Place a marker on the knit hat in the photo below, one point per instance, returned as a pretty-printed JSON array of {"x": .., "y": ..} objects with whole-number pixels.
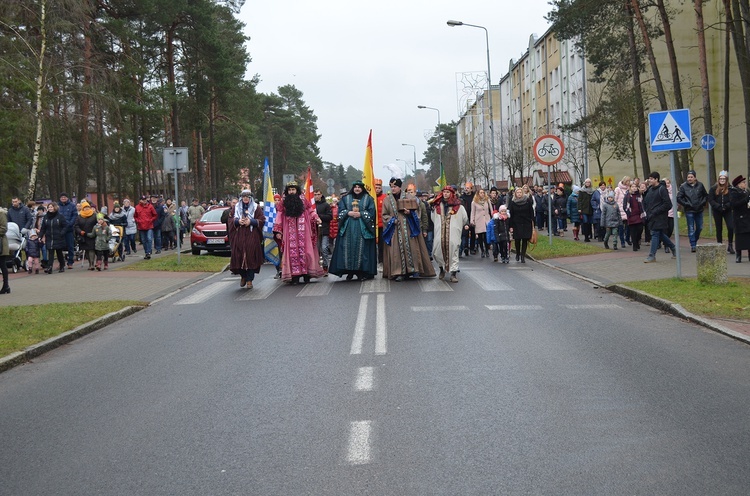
[
  {"x": 116, "y": 205},
  {"x": 33, "y": 233},
  {"x": 99, "y": 216},
  {"x": 85, "y": 204},
  {"x": 692, "y": 172},
  {"x": 724, "y": 174},
  {"x": 611, "y": 194}
]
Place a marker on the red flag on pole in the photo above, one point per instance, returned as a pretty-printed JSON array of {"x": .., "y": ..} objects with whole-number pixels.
[{"x": 309, "y": 190}]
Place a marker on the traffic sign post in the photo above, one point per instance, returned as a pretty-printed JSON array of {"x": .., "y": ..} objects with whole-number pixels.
[
  {"x": 670, "y": 131},
  {"x": 549, "y": 150},
  {"x": 175, "y": 162},
  {"x": 708, "y": 142}
]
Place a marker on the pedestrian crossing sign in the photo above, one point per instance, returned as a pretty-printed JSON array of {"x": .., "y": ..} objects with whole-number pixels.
[{"x": 670, "y": 130}]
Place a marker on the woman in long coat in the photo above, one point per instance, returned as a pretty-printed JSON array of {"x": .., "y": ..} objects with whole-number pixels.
[
  {"x": 53, "y": 231},
  {"x": 481, "y": 214},
  {"x": 521, "y": 222},
  {"x": 84, "y": 225},
  {"x": 740, "y": 199},
  {"x": 246, "y": 239}
]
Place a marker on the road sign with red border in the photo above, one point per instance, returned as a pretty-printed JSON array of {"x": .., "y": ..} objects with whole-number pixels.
[{"x": 548, "y": 149}]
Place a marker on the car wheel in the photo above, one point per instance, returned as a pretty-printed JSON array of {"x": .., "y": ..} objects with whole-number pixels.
[{"x": 196, "y": 251}]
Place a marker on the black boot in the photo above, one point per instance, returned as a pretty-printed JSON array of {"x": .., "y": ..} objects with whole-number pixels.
[
  {"x": 6, "y": 288},
  {"x": 739, "y": 256},
  {"x": 730, "y": 249}
]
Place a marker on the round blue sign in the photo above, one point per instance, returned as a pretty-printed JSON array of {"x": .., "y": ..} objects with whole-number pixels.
[{"x": 708, "y": 142}]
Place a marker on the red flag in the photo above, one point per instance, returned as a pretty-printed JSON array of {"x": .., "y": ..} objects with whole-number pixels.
[{"x": 309, "y": 190}]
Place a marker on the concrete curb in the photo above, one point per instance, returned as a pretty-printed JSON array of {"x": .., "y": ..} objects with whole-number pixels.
[
  {"x": 20, "y": 357},
  {"x": 675, "y": 309},
  {"x": 655, "y": 302},
  {"x": 12, "y": 360}
]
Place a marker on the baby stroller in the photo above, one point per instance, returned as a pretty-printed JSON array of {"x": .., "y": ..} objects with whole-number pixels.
[
  {"x": 16, "y": 243},
  {"x": 115, "y": 249}
]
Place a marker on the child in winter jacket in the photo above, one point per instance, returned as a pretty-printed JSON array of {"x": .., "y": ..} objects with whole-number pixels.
[
  {"x": 33, "y": 247},
  {"x": 610, "y": 219},
  {"x": 501, "y": 225},
  {"x": 102, "y": 234}
]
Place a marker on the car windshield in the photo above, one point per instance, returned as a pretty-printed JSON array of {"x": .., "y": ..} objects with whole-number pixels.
[{"x": 213, "y": 215}]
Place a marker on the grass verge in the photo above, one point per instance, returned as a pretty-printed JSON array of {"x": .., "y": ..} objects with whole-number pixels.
[
  {"x": 562, "y": 247},
  {"x": 730, "y": 301},
  {"x": 188, "y": 263},
  {"x": 24, "y": 326}
]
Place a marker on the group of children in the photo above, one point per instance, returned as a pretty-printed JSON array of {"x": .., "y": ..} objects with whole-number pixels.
[{"x": 101, "y": 232}]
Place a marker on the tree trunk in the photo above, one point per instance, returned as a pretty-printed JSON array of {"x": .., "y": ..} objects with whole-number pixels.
[
  {"x": 661, "y": 95},
  {"x": 39, "y": 89},
  {"x": 643, "y": 143},
  {"x": 725, "y": 132},
  {"x": 703, "y": 65},
  {"x": 175, "y": 120},
  {"x": 739, "y": 36},
  {"x": 83, "y": 166}
]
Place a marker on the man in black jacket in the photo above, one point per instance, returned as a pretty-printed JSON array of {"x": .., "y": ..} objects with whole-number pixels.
[
  {"x": 468, "y": 241},
  {"x": 326, "y": 215},
  {"x": 656, "y": 204},
  {"x": 692, "y": 196}
]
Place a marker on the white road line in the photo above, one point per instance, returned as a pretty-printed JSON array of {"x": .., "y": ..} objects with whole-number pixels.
[
  {"x": 318, "y": 288},
  {"x": 439, "y": 309},
  {"x": 381, "y": 333},
  {"x": 377, "y": 285},
  {"x": 205, "y": 293},
  {"x": 488, "y": 281},
  {"x": 359, "y": 327},
  {"x": 261, "y": 290},
  {"x": 360, "y": 437},
  {"x": 365, "y": 379},
  {"x": 429, "y": 285},
  {"x": 545, "y": 281},
  {"x": 591, "y": 307},
  {"x": 514, "y": 307}
]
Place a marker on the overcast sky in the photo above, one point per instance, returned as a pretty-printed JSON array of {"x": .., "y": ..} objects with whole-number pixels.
[{"x": 367, "y": 65}]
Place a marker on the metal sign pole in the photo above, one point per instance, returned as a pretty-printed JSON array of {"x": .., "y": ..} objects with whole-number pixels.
[
  {"x": 676, "y": 214},
  {"x": 549, "y": 196},
  {"x": 177, "y": 206}
]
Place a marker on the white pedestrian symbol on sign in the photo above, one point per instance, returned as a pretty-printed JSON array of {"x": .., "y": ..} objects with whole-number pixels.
[{"x": 670, "y": 132}]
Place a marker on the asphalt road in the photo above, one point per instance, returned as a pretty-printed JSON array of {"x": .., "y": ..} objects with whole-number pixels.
[{"x": 516, "y": 380}]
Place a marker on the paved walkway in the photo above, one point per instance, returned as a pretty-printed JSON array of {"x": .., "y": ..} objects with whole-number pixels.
[{"x": 79, "y": 284}]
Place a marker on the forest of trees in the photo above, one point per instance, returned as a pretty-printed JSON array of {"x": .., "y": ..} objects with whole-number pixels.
[
  {"x": 618, "y": 37},
  {"x": 92, "y": 90}
]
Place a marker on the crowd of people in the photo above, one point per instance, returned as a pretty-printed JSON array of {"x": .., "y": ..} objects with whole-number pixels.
[
  {"x": 67, "y": 231},
  {"x": 402, "y": 232}
]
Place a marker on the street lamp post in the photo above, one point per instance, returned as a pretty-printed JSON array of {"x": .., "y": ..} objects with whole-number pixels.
[
  {"x": 489, "y": 87},
  {"x": 440, "y": 146},
  {"x": 415, "y": 158}
]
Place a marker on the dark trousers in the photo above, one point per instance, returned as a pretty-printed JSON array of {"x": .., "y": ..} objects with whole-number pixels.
[
  {"x": 636, "y": 230},
  {"x": 726, "y": 216},
  {"x": 4, "y": 268}
]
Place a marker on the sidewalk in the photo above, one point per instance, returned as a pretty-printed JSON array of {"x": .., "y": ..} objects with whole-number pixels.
[
  {"x": 79, "y": 284},
  {"x": 614, "y": 269}
]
